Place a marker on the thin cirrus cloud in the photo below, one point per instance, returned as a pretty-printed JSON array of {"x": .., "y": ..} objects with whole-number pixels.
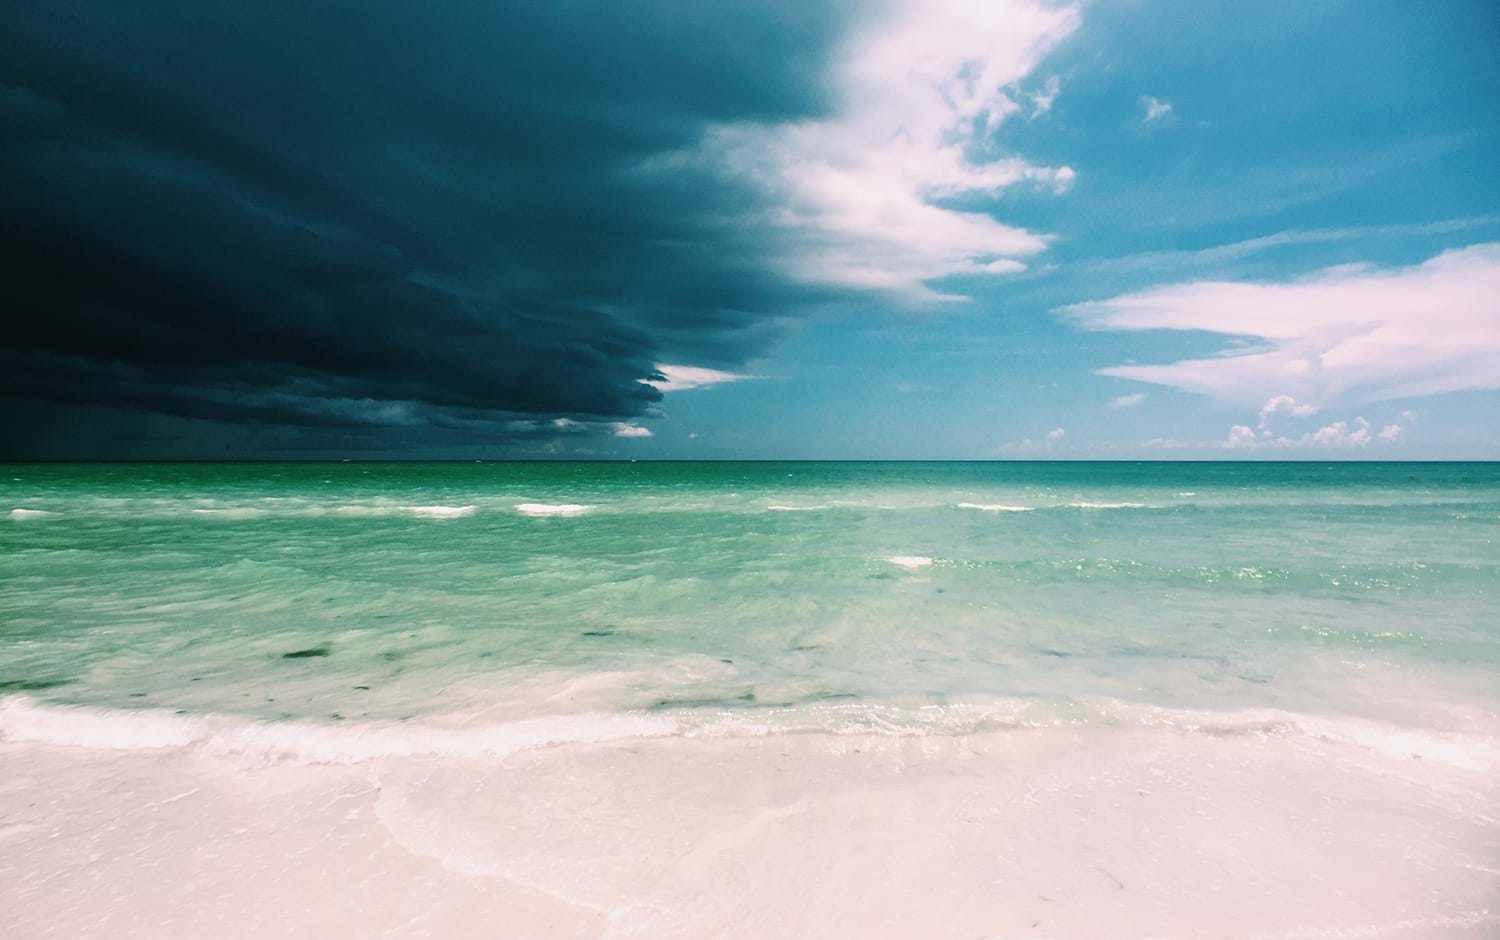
[
  {"x": 1353, "y": 332},
  {"x": 1126, "y": 401},
  {"x": 920, "y": 92}
]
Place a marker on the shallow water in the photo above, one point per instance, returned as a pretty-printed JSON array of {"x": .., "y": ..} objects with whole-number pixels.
[
  {"x": 1279, "y": 620},
  {"x": 307, "y": 590}
]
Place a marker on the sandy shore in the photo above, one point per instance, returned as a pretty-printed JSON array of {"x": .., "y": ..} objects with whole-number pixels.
[{"x": 1090, "y": 832}]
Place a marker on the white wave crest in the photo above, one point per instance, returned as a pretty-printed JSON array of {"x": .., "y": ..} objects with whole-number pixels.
[
  {"x": 780, "y": 508},
  {"x": 305, "y": 742},
  {"x": 910, "y": 562},
  {"x": 441, "y": 512},
  {"x": 995, "y": 507},
  {"x": 552, "y": 509},
  {"x": 238, "y": 512},
  {"x": 22, "y": 720},
  {"x": 1088, "y": 505},
  {"x": 20, "y": 514}
]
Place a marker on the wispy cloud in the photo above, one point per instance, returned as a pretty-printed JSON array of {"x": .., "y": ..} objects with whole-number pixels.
[
  {"x": 622, "y": 429},
  {"x": 1126, "y": 401},
  {"x": 1353, "y": 331},
  {"x": 1217, "y": 255},
  {"x": 1190, "y": 199},
  {"x": 1155, "y": 108},
  {"x": 921, "y": 91},
  {"x": 1029, "y": 446},
  {"x": 1041, "y": 101}
]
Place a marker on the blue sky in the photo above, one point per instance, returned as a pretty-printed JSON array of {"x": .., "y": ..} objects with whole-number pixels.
[
  {"x": 1245, "y": 144},
  {"x": 909, "y": 230}
]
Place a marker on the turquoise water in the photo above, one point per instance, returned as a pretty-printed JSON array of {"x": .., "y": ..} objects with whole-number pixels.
[{"x": 335, "y": 591}]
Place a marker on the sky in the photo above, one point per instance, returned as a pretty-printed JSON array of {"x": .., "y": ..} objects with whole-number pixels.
[{"x": 1141, "y": 229}]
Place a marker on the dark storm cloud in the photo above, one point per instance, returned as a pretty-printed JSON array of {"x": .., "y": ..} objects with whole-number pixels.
[{"x": 315, "y": 219}]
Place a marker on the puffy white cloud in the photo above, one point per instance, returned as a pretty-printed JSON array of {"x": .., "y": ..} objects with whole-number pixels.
[
  {"x": 1352, "y": 331},
  {"x": 1241, "y": 436},
  {"x": 679, "y": 378},
  {"x": 1056, "y": 434},
  {"x": 1156, "y": 109},
  {"x": 622, "y": 429},
  {"x": 921, "y": 92},
  {"x": 1126, "y": 401},
  {"x": 1336, "y": 436},
  {"x": 1287, "y": 404}
]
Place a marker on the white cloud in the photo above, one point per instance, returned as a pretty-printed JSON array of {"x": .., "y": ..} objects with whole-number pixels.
[
  {"x": 1041, "y": 101},
  {"x": 1126, "y": 401},
  {"x": 622, "y": 429},
  {"x": 1156, "y": 109},
  {"x": 1241, "y": 436},
  {"x": 1029, "y": 446},
  {"x": 679, "y": 378},
  {"x": 1340, "y": 435},
  {"x": 1352, "y": 331},
  {"x": 1287, "y": 404},
  {"x": 921, "y": 93}
]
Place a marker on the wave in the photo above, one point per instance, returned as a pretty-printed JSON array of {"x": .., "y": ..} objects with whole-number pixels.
[
  {"x": 23, "y": 720},
  {"x": 552, "y": 509},
  {"x": 910, "y": 561},
  {"x": 22, "y": 514},
  {"x": 1080, "y": 504},
  {"x": 779, "y": 508},
  {"x": 441, "y": 512},
  {"x": 243, "y": 512}
]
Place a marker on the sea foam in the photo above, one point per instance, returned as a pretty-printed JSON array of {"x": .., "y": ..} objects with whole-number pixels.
[
  {"x": 995, "y": 507},
  {"x": 238, "y": 512},
  {"x": 552, "y": 509},
  {"x": 911, "y": 562},
  {"x": 441, "y": 512},
  {"x": 309, "y": 742},
  {"x": 19, "y": 514}
]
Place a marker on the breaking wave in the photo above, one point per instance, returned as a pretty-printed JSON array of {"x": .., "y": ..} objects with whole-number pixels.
[{"x": 25, "y": 720}]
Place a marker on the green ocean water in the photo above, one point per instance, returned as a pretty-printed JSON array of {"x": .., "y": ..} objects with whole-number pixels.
[{"x": 339, "y": 591}]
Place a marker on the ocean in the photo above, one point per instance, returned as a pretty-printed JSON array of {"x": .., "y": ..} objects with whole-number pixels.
[{"x": 751, "y": 699}]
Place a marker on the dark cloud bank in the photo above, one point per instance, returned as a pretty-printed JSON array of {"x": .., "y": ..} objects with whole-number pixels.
[{"x": 233, "y": 229}]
